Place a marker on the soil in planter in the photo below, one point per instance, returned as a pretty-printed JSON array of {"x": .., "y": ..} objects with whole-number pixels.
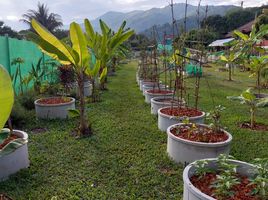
[
  {"x": 257, "y": 126},
  {"x": 198, "y": 133},
  {"x": 181, "y": 112},
  {"x": 56, "y": 100},
  {"x": 157, "y": 91},
  {"x": 242, "y": 191},
  {"x": 9, "y": 139}
]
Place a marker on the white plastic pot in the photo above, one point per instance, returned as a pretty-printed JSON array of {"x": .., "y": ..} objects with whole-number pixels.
[
  {"x": 190, "y": 192},
  {"x": 186, "y": 151},
  {"x": 165, "y": 121},
  {"x": 156, "y": 104},
  {"x": 144, "y": 82},
  {"x": 53, "y": 111},
  {"x": 87, "y": 88},
  {"x": 148, "y": 95},
  {"x": 15, "y": 161}
]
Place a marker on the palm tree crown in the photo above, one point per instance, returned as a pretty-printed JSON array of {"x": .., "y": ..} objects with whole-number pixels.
[{"x": 51, "y": 21}]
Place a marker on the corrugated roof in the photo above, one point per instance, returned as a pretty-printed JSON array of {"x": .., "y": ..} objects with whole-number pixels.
[
  {"x": 246, "y": 28},
  {"x": 220, "y": 43}
]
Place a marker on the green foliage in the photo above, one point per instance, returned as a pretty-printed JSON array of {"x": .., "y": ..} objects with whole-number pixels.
[
  {"x": 247, "y": 97},
  {"x": 215, "y": 116},
  {"x": 27, "y": 99},
  {"x": 6, "y": 96},
  {"x": 261, "y": 179},
  {"x": 37, "y": 74},
  {"x": 18, "y": 62},
  {"x": 6, "y": 30},
  {"x": 201, "y": 168}
]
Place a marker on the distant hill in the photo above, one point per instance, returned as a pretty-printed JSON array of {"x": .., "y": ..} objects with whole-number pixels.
[{"x": 141, "y": 20}]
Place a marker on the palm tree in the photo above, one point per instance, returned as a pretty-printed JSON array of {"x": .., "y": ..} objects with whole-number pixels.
[{"x": 50, "y": 21}]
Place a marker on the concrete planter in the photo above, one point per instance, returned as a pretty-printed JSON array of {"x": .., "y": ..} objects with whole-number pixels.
[
  {"x": 151, "y": 87},
  {"x": 87, "y": 88},
  {"x": 156, "y": 104},
  {"x": 148, "y": 95},
  {"x": 165, "y": 121},
  {"x": 142, "y": 82},
  {"x": 53, "y": 111},
  {"x": 15, "y": 161},
  {"x": 186, "y": 151},
  {"x": 190, "y": 192}
]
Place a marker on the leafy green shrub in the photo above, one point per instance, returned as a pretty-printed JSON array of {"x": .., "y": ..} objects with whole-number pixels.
[
  {"x": 27, "y": 99},
  {"x": 18, "y": 115}
]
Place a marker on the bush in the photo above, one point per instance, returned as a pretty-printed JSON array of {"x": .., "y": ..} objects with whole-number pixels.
[
  {"x": 27, "y": 99},
  {"x": 18, "y": 115}
]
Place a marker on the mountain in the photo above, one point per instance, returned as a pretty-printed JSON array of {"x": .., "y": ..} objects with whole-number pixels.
[{"x": 141, "y": 20}]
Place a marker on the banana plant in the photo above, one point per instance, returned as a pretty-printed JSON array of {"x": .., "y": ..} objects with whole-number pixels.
[
  {"x": 17, "y": 62},
  {"x": 7, "y": 144},
  {"x": 37, "y": 74},
  {"x": 105, "y": 45},
  {"x": 229, "y": 60},
  {"x": 247, "y": 97},
  {"x": 247, "y": 43},
  {"x": 257, "y": 65},
  {"x": 76, "y": 55}
]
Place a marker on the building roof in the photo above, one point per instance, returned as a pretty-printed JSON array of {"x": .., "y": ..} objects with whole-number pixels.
[
  {"x": 246, "y": 28},
  {"x": 220, "y": 43}
]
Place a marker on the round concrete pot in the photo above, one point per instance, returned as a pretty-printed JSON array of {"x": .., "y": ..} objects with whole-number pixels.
[
  {"x": 53, "y": 111},
  {"x": 190, "y": 192},
  {"x": 165, "y": 121},
  {"x": 156, "y": 104},
  {"x": 151, "y": 87},
  {"x": 186, "y": 151},
  {"x": 148, "y": 95},
  {"x": 142, "y": 82},
  {"x": 15, "y": 161},
  {"x": 87, "y": 88}
]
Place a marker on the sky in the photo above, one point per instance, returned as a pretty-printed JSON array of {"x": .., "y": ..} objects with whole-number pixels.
[{"x": 77, "y": 10}]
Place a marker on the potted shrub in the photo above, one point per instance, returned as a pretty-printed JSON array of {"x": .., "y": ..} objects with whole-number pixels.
[
  {"x": 188, "y": 142},
  {"x": 151, "y": 86},
  {"x": 157, "y": 92},
  {"x": 171, "y": 115},
  {"x": 13, "y": 143},
  {"x": 223, "y": 178},
  {"x": 54, "y": 107},
  {"x": 160, "y": 102}
]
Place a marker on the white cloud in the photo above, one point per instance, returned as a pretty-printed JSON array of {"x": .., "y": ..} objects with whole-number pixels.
[{"x": 12, "y": 18}]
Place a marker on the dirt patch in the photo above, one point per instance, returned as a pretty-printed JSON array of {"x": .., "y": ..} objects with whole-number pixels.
[{"x": 257, "y": 126}]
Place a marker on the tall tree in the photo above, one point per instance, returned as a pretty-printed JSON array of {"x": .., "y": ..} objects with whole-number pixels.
[
  {"x": 6, "y": 30},
  {"x": 50, "y": 21}
]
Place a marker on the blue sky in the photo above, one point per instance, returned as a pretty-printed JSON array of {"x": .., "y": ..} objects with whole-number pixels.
[{"x": 77, "y": 10}]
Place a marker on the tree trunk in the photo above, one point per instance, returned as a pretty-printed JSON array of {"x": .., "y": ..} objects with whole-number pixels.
[
  {"x": 230, "y": 71},
  {"x": 84, "y": 128},
  {"x": 252, "y": 117}
]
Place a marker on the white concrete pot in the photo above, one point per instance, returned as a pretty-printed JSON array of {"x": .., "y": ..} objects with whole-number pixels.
[
  {"x": 151, "y": 87},
  {"x": 142, "y": 82},
  {"x": 190, "y": 192},
  {"x": 15, "y": 161},
  {"x": 186, "y": 151},
  {"x": 165, "y": 121},
  {"x": 53, "y": 111},
  {"x": 149, "y": 96},
  {"x": 156, "y": 104},
  {"x": 87, "y": 88}
]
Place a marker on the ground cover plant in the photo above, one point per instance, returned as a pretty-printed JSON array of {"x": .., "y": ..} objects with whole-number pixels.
[{"x": 126, "y": 157}]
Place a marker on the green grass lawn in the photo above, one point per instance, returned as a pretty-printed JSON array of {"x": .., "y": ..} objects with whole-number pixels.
[{"x": 126, "y": 158}]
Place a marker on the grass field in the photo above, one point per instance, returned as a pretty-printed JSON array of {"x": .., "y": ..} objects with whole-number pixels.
[{"x": 126, "y": 158}]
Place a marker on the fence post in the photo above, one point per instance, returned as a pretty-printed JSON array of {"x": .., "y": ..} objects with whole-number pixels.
[{"x": 8, "y": 54}]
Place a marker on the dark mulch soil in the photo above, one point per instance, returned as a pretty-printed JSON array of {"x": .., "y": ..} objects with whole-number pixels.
[
  {"x": 39, "y": 130},
  {"x": 56, "y": 100},
  {"x": 257, "y": 126},
  {"x": 198, "y": 133},
  {"x": 242, "y": 191},
  {"x": 180, "y": 112},
  {"x": 157, "y": 91}
]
